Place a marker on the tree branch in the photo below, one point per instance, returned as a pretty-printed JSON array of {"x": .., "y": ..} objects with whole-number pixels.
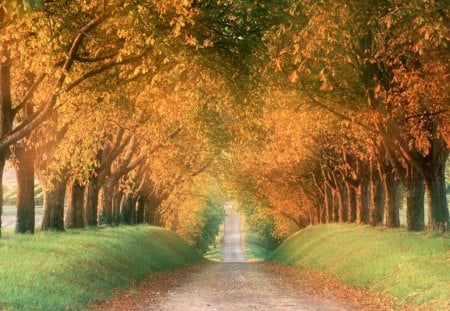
[{"x": 40, "y": 116}]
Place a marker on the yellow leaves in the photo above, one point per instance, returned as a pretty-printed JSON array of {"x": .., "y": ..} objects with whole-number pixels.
[
  {"x": 141, "y": 9},
  {"x": 419, "y": 20},
  {"x": 278, "y": 64},
  {"x": 326, "y": 86},
  {"x": 281, "y": 30},
  {"x": 190, "y": 40},
  {"x": 377, "y": 90},
  {"x": 207, "y": 43},
  {"x": 293, "y": 77},
  {"x": 348, "y": 59},
  {"x": 178, "y": 22},
  {"x": 150, "y": 41}
]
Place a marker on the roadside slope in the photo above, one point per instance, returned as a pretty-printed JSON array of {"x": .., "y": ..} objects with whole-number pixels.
[
  {"x": 60, "y": 271},
  {"x": 412, "y": 267}
]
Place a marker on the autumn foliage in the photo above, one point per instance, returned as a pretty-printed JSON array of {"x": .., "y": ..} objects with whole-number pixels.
[{"x": 304, "y": 111}]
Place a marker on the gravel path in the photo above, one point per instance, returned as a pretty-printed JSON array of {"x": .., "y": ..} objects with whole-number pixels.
[
  {"x": 232, "y": 241},
  {"x": 237, "y": 285}
]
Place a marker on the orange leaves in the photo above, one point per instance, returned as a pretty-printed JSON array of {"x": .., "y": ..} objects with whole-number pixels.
[
  {"x": 293, "y": 77},
  {"x": 190, "y": 40},
  {"x": 326, "y": 86},
  {"x": 278, "y": 66}
]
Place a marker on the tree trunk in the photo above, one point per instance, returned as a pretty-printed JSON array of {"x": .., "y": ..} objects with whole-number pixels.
[
  {"x": 316, "y": 214},
  {"x": 75, "y": 211},
  {"x": 351, "y": 203},
  {"x": 377, "y": 198},
  {"x": 127, "y": 212},
  {"x": 151, "y": 216},
  {"x": 53, "y": 218},
  {"x": 415, "y": 195},
  {"x": 117, "y": 203},
  {"x": 342, "y": 197},
  {"x": 91, "y": 201},
  {"x": 134, "y": 209},
  {"x": 140, "y": 209},
  {"x": 335, "y": 207},
  {"x": 2, "y": 168},
  {"x": 436, "y": 189},
  {"x": 6, "y": 113},
  {"x": 106, "y": 199},
  {"x": 323, "y": 216},
  {"x": 363, "y": 202},
  {"x": 328, "y": 204},
  {"x": 25, "y": 190},
  {"x": 392, "y": 201}
]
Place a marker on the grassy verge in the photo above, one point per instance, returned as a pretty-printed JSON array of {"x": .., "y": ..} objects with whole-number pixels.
[
  {"x": 215, "y": 252},
  {"x": 412, "y": 267},
  {"x": 67, "y": 271},
  {"x": 254, "y": 249}
]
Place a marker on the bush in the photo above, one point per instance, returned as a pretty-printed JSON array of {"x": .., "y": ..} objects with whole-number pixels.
[{"x": 210, "y": 218}]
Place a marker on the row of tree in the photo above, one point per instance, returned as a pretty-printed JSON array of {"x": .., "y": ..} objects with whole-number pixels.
[
  {"x": 356, "y": 118},
  {"x": 315, "y": 111},
  {"x": 113, "y": 105}
]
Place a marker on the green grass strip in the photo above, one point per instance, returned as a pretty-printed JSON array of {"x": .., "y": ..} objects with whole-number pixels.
[
  {"x": 413, "y": 267},
  {"x": 67, "y": 271},
  {"x": 254, "y": 249}
]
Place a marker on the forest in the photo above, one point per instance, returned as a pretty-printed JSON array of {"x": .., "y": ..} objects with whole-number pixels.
[{"x": 159, "y": 112}]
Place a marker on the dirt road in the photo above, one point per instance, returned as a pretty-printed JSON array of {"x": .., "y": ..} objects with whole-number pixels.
[
  {"x": 232, "y": 285},
  {"x": 238, "y": 285},
  {"x": 232, "y": 241}
]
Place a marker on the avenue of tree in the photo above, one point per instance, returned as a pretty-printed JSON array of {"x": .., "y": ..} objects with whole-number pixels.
[{"x": 306, "y": 112}]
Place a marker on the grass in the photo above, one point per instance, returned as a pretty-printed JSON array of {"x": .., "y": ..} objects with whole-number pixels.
[
  {"x": 67, "y": 271},
  {"x": 413, "y": 267},
  {"x": 254, "y": 249},
  {"x": 215, "y": 252}
]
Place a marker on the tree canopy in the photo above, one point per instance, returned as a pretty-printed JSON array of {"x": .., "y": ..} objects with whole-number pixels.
[{"x": 156, "y": 111}]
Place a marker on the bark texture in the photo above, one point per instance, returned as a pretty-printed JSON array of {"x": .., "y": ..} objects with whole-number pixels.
[
  {"x": 25, "y": 190},
  {"x": 53, "y": 218},
  {"x": 75, "y": 210}
]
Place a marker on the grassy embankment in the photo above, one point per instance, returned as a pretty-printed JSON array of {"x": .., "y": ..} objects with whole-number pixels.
[
  {"x": 67, "y": 271},
  {"x": 215, "y": 252},
  {"x": 254, "y": 248},
  {"x": 412, "y": 267}
]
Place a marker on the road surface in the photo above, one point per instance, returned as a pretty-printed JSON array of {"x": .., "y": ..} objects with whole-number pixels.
[
  {"x": 232, "y": 241},
  {"x": 230, "y": 285}
]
